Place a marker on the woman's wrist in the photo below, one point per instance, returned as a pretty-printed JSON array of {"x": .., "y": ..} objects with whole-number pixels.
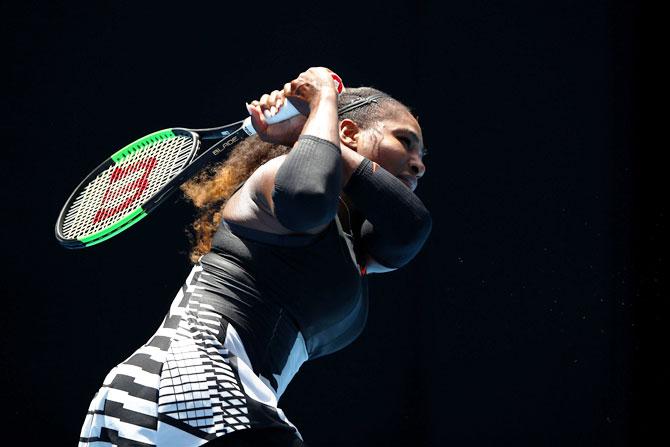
[
  {"x": 325, "y": 97},
  {"x": 322, "y": 120}
]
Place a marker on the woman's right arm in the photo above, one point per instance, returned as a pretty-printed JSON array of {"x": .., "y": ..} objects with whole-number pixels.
[{"x": 302, "y": 189}]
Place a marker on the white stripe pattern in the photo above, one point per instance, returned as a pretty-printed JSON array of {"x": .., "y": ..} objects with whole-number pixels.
[{"x": 197, "y": 385}]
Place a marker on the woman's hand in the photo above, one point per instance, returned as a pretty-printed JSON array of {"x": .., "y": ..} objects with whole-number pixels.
[
  {"x": 283, "y": 132},
  {"x": 311, "y": 90}
]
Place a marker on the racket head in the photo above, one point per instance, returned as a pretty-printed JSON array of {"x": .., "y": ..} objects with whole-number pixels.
[{"x": 119, "y": 192}]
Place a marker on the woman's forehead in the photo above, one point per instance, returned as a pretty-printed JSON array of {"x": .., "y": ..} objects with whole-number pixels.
[{"x": 403, "y": 120}]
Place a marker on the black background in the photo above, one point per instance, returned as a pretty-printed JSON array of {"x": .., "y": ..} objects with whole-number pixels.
[{"x": 528, "y": 319}]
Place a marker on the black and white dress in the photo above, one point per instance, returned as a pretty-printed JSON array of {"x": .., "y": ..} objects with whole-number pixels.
[{"x": 250, "y": 313}]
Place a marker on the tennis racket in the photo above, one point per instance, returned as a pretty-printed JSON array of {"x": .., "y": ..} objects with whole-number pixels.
[{"x": 136, "y": 179}]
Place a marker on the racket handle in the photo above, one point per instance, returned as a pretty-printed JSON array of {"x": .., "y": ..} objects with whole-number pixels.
[{"x": 288, "y": 110}]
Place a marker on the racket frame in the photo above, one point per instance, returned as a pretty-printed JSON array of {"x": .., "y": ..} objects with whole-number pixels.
[{"x": 228, "y": 136}]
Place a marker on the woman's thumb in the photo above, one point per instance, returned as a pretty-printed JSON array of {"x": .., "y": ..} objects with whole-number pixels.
[{"x": 257, "y": 118}]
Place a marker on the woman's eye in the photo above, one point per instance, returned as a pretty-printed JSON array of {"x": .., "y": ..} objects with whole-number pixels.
[{"x": 405, "y": 142}]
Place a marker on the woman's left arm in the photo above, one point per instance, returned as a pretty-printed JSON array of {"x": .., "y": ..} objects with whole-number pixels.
[{"x": 397, "y": 222}]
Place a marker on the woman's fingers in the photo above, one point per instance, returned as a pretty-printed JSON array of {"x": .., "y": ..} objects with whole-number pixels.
[
  {"x": 271, "y": 103},
  {"x": 264, "y": 101},
  {"x": 266, "y": 105},
  {"x": 257, "y": 119},
  {"x": 274, "y": 102}
]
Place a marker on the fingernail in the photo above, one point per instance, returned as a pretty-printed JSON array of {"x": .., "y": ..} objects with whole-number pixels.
[
  {"x": 248, "y": 107},
  {"x": 267, "y": 113},
  {"x": 273, "y": 110}
]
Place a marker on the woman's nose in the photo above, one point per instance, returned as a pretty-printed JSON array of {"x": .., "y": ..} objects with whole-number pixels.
[{"x": 417, "y": 167}]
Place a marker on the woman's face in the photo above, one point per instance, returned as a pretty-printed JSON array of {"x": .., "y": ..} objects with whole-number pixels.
[{"x": 396, "y": 144}]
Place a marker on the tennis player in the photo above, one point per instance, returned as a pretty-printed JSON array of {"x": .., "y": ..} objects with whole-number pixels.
[{"x": 289, "y": 227}]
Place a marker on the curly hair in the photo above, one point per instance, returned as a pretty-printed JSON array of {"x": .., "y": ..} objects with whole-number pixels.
[{"x": 213, "y": 186}]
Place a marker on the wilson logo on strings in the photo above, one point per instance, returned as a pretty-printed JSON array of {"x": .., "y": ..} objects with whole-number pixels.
[{"x": 125, "y": 187}]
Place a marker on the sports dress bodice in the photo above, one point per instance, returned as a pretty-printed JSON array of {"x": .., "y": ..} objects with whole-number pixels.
[{"x": 290, "y": 297}]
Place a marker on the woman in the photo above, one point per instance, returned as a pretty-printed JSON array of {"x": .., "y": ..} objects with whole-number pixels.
[{"x": 289, "y": 228}]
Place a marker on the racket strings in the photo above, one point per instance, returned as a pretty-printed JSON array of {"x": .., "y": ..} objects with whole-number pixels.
[{"x": 123, "y": 187}]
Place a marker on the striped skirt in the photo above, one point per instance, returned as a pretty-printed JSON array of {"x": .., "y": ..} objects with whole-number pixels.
[{"x": 190, "y": 383}]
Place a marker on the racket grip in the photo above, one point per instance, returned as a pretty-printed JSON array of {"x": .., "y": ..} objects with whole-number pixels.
[{"x": 288, "y": 110}]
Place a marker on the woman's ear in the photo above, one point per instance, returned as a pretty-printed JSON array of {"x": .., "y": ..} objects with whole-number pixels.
[{"x": 349, "y": 134}]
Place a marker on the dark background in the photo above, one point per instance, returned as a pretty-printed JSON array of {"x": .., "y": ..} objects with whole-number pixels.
[{"x": 528, "y": 319}]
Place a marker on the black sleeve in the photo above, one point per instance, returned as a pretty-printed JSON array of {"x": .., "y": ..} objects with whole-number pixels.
[
  {"x": 308, "y": 184},
  {"x": 397, "y": 222}
]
